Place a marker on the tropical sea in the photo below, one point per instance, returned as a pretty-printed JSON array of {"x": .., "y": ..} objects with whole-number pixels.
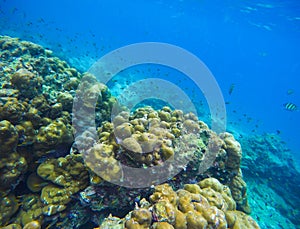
[{"x": 234, "y": 64}]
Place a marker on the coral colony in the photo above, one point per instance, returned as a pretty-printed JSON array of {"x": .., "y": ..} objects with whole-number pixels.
[{"x": 46, "y": 182}]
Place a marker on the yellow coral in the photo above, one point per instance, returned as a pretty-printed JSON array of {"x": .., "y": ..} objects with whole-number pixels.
[
  {"x": 12, "y": 166},
  {"x": 35, "y": 183},
  {"x": 9, "y": 206},
  {"x": 32, "y": 225},
  {"x": 8, "y": 137},
  {"x": 239, "y": 220},
  {"x": 12, "y": 226},
  {"x": 207, "y": 204},
  {"x": 31, "y": 210},
  {"x": 238, "y": 189},
  {"x": 53, "y": 135},
  {"x": 68, "y": 172},
  {"x": 140, "y": 219},
  {"x": 162, "y": 225},
  {"x": 28, "y": 83},
  {"x": 55, "y": 195},
  {"x": 13, "y": 110}
]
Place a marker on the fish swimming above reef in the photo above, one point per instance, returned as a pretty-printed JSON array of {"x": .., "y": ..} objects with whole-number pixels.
[
  {"x": 290, "y": 106},
  {"x": 231, "y": 88},
  {"x": 290, "y": 92}
]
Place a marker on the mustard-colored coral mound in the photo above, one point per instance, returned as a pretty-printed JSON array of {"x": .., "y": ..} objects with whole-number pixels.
[
  {"x": 144, "y": 139},
  {"x": 12, "y": 166},
  {"x": 148, "y": 138},
  {"x": 54, "y": 135},
  {"x": 67, "y": 175},
  {"x": 208, "y": 204}
]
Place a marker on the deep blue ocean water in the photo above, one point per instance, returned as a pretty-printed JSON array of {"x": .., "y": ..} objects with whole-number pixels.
[
  {"x": 251, "y": 44},
  {"x": 252, "y": 47}
]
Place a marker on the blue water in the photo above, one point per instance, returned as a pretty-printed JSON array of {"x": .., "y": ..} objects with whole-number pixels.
[{"x": 252, "y": 44}]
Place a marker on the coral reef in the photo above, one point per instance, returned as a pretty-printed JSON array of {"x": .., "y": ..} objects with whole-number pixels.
[
  {"x": 208, "y": 204},
  {"x": 268, "y": 162},
  {"x": 68, "y": 174},
  {"x": 147, "y": 138},
  {"x": 59, "y": 163},
  {"x": 37, "y": 92}
]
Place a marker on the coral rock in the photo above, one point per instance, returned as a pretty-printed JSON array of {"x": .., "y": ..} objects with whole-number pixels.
[
  {"x": 9, "y": 206},
  {"x": 28, "y": 83},
  {"x": 54, "y": 135},
  {"x": 8, "y": 137}
]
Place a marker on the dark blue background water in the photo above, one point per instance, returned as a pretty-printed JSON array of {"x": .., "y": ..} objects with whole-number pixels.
[{"x": 251, "y": 44}]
